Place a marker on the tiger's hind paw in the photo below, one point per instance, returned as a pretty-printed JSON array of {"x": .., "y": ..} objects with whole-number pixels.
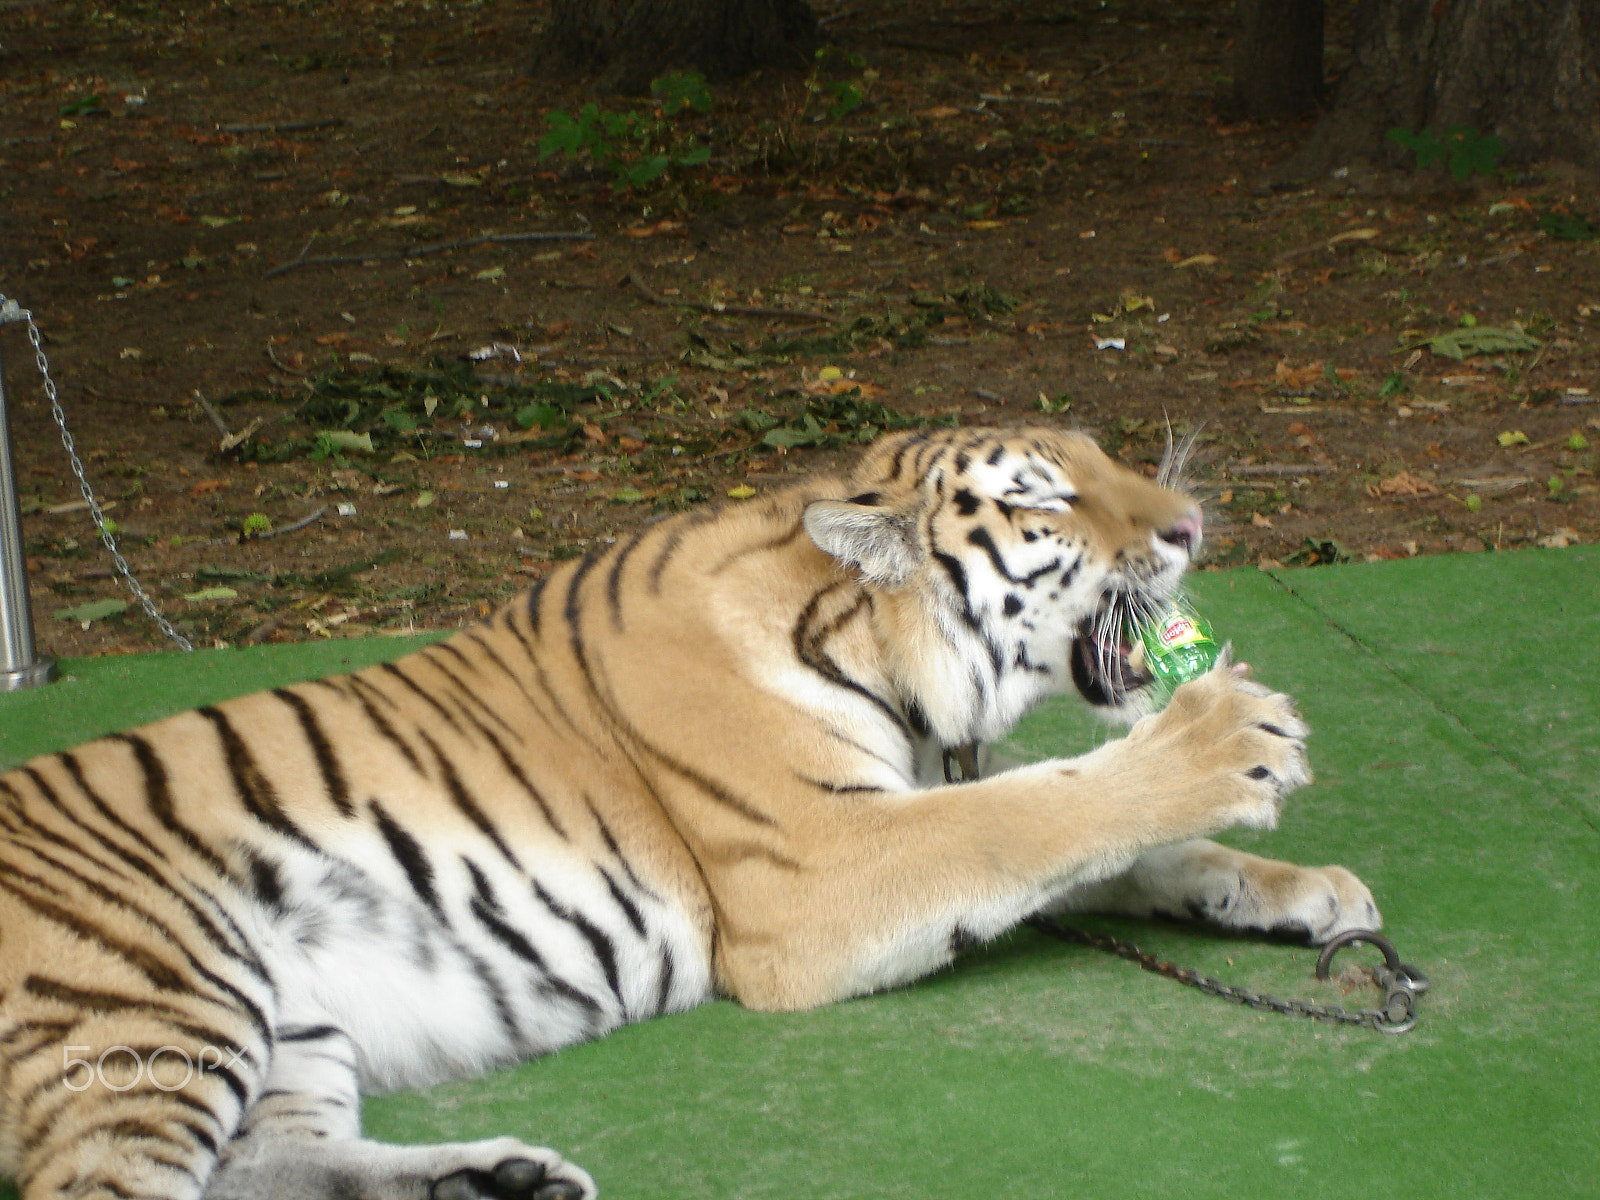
[
  {"x": 314, "y": 1169},
  {"x": 513, "y": 1179}
]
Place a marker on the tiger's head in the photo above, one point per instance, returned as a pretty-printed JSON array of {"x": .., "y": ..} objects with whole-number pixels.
[{"x": 1004, "y": 565}]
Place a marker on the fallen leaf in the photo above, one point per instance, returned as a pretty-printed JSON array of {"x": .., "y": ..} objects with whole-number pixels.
[
  {"x": 743, "y": 492},
  {"x": 1404, "y": 485},
  {"x": 490, "y": 274},
  {"x": 207, "y": 486},
  {"x": 1512, "y": 437},
  {"x": 941, "y": 112},
  {"x": 1260, "y": 522},
  {"x": 1458, "y": 344},
  {"x": 1197, "y": 260},
  {"x": 461, "y": 179},
  {"x": 211, "y": 593},
  {"x": 347, "y": 441},
  {"x": 93, "y": 610},
  {"x": 1561, "y": 539},
  {"x": 1298, "y": 377},
  {"x": 660, "y": 228},
  {"x": 72, "y": 506}
]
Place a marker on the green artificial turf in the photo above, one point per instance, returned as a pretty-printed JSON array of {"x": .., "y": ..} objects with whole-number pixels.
[{"x": 1454, "y": 708}]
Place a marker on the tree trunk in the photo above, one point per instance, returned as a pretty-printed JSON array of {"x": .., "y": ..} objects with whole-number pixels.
[
  {"x": 1525, "y": 71},
  {"x": 1277, "y": 57},
  {"x": 628, "y": 43}
]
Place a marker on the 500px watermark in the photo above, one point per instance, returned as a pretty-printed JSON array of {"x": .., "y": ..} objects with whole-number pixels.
[{"x": 119, "y": 1068}]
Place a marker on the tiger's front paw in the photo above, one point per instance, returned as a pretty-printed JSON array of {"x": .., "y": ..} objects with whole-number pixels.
[
  {"x": 1243, "y": 744},
  {"x": 524, "y": 1173},
  {"x": 1241, "y": 891}
]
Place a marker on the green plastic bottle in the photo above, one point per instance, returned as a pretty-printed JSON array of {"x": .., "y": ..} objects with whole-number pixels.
[{"x": 1178, "y": 646}]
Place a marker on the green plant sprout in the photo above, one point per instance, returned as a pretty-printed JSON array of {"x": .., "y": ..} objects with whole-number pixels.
[
  {"x": 637, "y": 148},
  {"x": 1462, "y": 149}
]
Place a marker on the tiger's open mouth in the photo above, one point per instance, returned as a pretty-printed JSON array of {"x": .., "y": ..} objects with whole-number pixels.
[{"x": 1105, "y": 664}]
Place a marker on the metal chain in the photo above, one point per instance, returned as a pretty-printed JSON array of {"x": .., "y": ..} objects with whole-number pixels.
[
  {"x": 11, "y": 311},
  {"x": 1401, "y": 983}
]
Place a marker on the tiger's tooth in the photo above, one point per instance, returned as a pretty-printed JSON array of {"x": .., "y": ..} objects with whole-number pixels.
[{"x": 1136, "y": 657}]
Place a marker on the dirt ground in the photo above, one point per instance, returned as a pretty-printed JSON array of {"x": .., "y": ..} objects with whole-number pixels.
[{"x": 982, "y": 212}]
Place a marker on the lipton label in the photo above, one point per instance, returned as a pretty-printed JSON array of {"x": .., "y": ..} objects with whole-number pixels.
[{"x": 1180, "y": 631}]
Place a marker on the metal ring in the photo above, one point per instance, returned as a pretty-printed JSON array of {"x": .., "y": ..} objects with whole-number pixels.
[{"x": 1355, "y": 937}]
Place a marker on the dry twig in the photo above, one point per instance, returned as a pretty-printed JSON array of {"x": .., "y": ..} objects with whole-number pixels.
[
  {"x": 724, "y": 310},
  {"x": 302, "y": 260},
  {"x": 300, "y": 524}
]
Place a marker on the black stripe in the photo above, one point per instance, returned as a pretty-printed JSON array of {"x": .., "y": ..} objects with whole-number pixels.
[
  {"x": 266, "y": 880},
  {"x": 958, "y": 577},
  {"x": 104, "y": 1003},
  {"x": 394, "y": 672},
  {"x": 158, "y": 799},
  {"x": 980, "y": 537},
  {"x": 158, "y": 973},
  {"x": 256, "y": 792},
  {"x": 604, "y": 950},
  {"x": 777, "y": 542},
  {"x": 683, "y": 526},
  {"x": 69, "y": 760},
  {"x": 808, "y": 648},
  {"x": 468, "y": 694},
  {"x": 619, "y": 560},
  {"x": 543, "y": 680},
  {"x": 839, "y": 789},
  {"x": 493, "y": 655},
  {"x": 713, "y": 789},
  {"x": 664, "y": 983},
  {"x": 332, "y": 774},
  {"x": 741, "y": 851},
  {"x": 463, "y": 800},
  {"x": 897, "y": 462},
  {"x": 516, "y": 772},
  {"x": 486, "y": 907},
  {"x": 616, "y": 852},
  {"x": 20, "y": 1029},
  {"x": 161, "y": 879},
  {"x": 914, "y": 719},
  {"x": 625, "y": 902},
  {"x": 361, "y": 687},
  {"x": 104, "y": 894},
  {"x": 311, "y": 1033},
  {"x": 409, "y": 854},
  {"x": 572, "y": 611},
  {"x": 535, "y": 595}
]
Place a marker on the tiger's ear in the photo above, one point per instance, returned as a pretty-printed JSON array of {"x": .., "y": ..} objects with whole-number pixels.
[{"x": 880, "y": 541}]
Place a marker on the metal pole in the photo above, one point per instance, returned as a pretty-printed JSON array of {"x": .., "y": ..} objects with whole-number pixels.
[{"x": 20, "y": 665}]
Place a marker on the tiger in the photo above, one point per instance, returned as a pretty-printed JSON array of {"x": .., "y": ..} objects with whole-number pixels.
[{"x": 727, "y": 755}]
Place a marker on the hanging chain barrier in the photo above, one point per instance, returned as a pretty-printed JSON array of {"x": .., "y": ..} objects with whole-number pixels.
[
  {"x": 10, "y": 311},
  {"x": 1400, "y": 983}
]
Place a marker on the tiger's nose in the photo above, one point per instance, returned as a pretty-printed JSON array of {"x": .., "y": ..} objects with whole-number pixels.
[{"x": 1184, "y": 533}]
